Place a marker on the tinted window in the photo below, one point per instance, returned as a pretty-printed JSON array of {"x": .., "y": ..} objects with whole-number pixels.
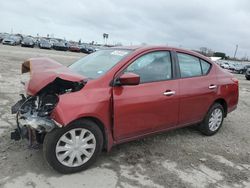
[
  {"x": 154, "y": 66},
  {"x": 189, "y": 65},
  {"x": 205, "y": 66}
]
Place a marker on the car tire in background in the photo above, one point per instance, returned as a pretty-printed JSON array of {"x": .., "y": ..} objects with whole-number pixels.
[
  {"x": 73, "y": 148},
  {"x": 213, "y": 120}
]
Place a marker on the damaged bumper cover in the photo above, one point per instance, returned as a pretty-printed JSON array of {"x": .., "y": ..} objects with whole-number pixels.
[
  {"x": 48, "y": 80},
  {"x": 31, "y": 121}
]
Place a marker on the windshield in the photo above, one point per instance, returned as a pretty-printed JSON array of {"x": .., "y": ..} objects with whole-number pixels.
[
  {"x": 28, "y": 39},
  {"x": 98, "y": 63}
]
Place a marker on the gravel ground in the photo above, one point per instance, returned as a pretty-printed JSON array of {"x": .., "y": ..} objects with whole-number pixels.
[{"x": 179, "y": 158}]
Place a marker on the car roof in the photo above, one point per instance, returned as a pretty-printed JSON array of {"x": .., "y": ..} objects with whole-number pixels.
[{"x": 149, "y": 47}]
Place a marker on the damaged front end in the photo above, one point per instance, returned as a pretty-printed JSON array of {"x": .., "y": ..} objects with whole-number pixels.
[
  {"x": 33, "y": 112},
  {"x": 33, "y": 118}
]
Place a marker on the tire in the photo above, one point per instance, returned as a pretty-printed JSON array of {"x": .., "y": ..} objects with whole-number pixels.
[
  {"x": 248, "y": 78},
  {"x": 207, "y": 129},
  {"x": 53, "y": 142}
]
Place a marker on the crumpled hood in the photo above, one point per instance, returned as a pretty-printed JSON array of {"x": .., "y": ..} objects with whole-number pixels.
[{"x": 44, "y": 71}]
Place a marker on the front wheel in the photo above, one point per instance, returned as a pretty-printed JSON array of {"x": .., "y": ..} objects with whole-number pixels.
[
  {"x": 213, "y": 120},
  {"x": 73, "y": 148}
]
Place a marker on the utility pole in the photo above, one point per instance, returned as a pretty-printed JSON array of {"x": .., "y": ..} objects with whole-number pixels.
[{"x": 236, "y": 49}]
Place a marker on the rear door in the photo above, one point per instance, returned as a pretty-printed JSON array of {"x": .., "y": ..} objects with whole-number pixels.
[
  {"x": 197, "y": 88},
  {"x": 153, "y": 104}
]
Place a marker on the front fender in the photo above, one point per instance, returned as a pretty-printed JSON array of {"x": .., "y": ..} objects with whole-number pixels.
[{"x": 84, "y": 103}]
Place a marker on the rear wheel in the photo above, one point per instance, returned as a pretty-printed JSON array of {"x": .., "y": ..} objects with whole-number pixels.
[
  {"x": 73, "y": 148},
  {"x": 213, "y": 120}
]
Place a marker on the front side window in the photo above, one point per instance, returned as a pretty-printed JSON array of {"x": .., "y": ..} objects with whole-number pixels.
[
  {"x": 151, "y": 67},
  {"x": 189, "y": 65}
]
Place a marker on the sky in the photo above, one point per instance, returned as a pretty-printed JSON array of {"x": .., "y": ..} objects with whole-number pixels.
[{"x": 216, "y": 24}]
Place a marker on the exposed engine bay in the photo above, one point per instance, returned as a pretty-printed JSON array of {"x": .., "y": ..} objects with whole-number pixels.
[{"x": 33, "y": 112}]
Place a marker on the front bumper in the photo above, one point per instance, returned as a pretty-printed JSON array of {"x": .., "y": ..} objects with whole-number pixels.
[{"x": 30, "y": 124}]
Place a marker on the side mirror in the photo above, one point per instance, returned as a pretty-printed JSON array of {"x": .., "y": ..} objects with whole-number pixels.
[{"x": 129, "y": 79}]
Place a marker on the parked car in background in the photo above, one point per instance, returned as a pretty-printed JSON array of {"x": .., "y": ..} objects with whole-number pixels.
[
  {"x": 18, "y": 38},
  {"x": 28, "y": 42},
  {"x": 239, "y": 68},
  {"x": 232, "y": 66},
  {"x": 45, "y": 44},
  {"x": 225, "y": 65},
  {"x": 10, "y": 40},
  {"x": 2, "y": 36},
  {"x": 86, "y": 49},
  {"x": 247, "y": 74},
  {"x": 245, "y": 68},
  {"x": 118, "y": 95},
  {"x": 53, "y": 41},
  {"x": 60, "y": 46},
  {"x": 74, "y": 48}
]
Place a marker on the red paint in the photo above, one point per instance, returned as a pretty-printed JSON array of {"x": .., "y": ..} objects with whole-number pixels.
[
  {"x": 44, "y": 71},
  {"x": 129, "y": 79},
  {"x": 129, "y": 112}
]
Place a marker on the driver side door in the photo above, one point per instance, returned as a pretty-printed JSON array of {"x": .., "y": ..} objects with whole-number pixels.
[{"x": 152, "y": 105}]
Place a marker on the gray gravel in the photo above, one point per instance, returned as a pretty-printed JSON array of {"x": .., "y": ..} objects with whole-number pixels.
[{"x": 179, "y": 158}]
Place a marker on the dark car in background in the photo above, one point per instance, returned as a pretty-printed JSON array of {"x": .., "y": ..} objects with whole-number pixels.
[
  {"x": 28, "y": 42},
  {"x": 45, "y": 44},
  {"x": 86, "y": 49},
  {"x": 247, "y": 75},
  {"x": 245, "y": 68},
  {"x": 60, "y": 46}
]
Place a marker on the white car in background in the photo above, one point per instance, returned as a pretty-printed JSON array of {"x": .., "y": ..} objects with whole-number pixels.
[{"x": 225, "y": 66}]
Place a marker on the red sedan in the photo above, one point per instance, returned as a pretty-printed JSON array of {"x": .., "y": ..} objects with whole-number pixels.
[
  {"x": 117, "y": 95},
  {"x": 74, "y": 48}
]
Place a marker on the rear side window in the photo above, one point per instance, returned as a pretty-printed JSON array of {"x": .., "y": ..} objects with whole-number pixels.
[
  {"x": 205, "y": 67},
  {"x": 190, "y": 66}
]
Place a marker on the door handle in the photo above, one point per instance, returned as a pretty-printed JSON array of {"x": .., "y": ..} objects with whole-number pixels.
[
  {"x": 212, "y": 86},
  {"x": 169, "y": 93}
]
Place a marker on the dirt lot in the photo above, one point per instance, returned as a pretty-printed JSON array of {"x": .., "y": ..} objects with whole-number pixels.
[{"x": 179, "y": 158}]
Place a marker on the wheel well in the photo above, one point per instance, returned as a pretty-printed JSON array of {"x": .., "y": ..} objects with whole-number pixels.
[
  {"x": 223, "y": 104},
  {"x": 102, "y": 128}
]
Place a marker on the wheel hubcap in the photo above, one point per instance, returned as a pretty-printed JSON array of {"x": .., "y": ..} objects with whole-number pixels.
[
  {"x": 215, "y": 119},
  {"x": 75, "y": 147}
]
